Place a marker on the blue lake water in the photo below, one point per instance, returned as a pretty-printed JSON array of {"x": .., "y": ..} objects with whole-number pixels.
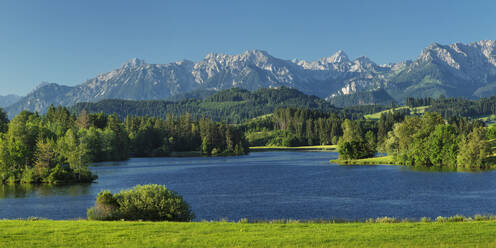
[{"x": 270, "y": 185}]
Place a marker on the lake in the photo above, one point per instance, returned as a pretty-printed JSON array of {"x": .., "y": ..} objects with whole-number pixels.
[{"x": 270, "y": 185}]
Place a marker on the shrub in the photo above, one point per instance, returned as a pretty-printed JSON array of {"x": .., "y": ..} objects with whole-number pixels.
[
  {"x": 59, "y": 174},
  {"x": 479, "y": 217},
  {"x": 425, "y": 219},
  {"x": 456, "y": 218},
  {"x": 106, "y": 207},
  {"x": 441, "y": 219},
  {"x": 28, "y": 176},
  {"x": 370, "y": 220},
  {"x": 355, "y": 150},
  {"x": 143, "y": 202},
  {"x": 12, "y": 179},
  {"x": 386, "y": 220},
  {"x": 491, "y": 132}
]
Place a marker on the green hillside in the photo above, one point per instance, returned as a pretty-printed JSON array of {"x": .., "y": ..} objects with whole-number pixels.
[
  {"x": 232, "y": 106},
  {"x": 413, "y": 110}
]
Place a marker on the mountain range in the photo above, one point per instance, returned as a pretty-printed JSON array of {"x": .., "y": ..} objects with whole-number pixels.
[
  {"x": 8, "y": 100},
  {"x": 462, "y": 70}
]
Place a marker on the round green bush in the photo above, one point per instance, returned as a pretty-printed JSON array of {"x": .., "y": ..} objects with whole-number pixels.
[{"x": 143, "y": 202}]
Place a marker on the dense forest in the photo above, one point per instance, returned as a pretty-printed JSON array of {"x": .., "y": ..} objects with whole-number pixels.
[
  {"x": 431, "y": 141},
  {"x": 453, "y": 107},
  {"x": 236, "y": 105},
  {"x": 427, "y": 141},
  {"x": 56, "y": 147},
  {"x": 293, "y": 127},
  {"x": 231, "y": 106},
  {"x": 299, "y": 127}
]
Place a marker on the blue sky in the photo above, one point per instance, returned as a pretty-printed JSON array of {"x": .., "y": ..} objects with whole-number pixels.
[{"x": 67, "y": 42}]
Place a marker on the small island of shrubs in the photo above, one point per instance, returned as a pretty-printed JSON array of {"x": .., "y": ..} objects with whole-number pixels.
[{"x": 143, "y": 202}]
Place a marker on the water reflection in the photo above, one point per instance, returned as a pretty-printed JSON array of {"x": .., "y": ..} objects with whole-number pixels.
[
  {"x": 270, "y": 185},
  {"x": 42, "y": 190},
  {"x": 441, "y": 169}
]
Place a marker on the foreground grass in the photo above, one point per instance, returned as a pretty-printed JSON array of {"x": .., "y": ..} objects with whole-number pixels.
[
  {"x": 365, "y": 161},
  {"x": 294, "y": 148},
  {"x": 45, "y": 233}
]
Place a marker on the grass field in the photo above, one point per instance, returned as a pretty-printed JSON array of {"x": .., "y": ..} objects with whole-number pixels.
[
  {"x": 295, "y": 148},
  {"x": 365, "y": 161},
  {"x": 44, "y": 233},
  {"x": 376, "y": 116}
]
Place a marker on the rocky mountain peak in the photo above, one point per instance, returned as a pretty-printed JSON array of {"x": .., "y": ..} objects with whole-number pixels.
[
  {"x": 488, "y": 48},
  {"x": 453, "y": 70},
  {"x": 362, "y": 64},
  {"x": 339, "y": 57},
  {"x": 441, "y": 54},
  {"x": 486, "y": 43},
  {"x": 217, "y": 61},
  {"x": 43, "y": 84},
  {"x": 134, "y": 62},
  {"x": 257, "y": 53},
  {"x": 364, "y": 61}
]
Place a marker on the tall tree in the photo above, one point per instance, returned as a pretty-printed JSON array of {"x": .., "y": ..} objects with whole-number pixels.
[
  {"x": 474, "y": 149},
  {"x": 83, "y": 120},
  {"x": 4, "y": 121},
  {"x": 46, "y": 158}
]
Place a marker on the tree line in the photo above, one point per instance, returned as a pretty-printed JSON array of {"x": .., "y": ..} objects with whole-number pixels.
[
  {"x": 430, "y": 140},
  {"x": 456, "y": 106},
  {"x": 299, "y": 127},
  {"x": 427, "y": 141},
  {"x": 294, "y": 127}
]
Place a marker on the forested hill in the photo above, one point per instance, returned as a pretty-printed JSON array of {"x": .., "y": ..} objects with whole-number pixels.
[
  {"x": 456, "y": 107},
  {"x": 233, "y": 105},
  {"x": 377, "y": 97}
]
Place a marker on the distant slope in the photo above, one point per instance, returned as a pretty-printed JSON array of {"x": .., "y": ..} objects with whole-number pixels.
[
  {"x": 8, "y": 100},
  {"x": 411, "y": 110},
  {"x": 198, "y": 94},
  {"x": 460, "y": 70},
  {"x": 40, "y": 98},
  {"x": 376, "y": 97},
  {"x": 234, "y": 105}
]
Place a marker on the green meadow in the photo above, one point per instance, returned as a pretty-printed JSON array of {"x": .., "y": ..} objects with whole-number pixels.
[
  {"x": 82, "y": 233},
  {"x": 414, "y": 110}
]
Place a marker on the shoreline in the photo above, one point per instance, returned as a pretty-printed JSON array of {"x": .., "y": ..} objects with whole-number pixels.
[
  {"x": 384, "y": 160},
  {"x": 327, "y": 148}
]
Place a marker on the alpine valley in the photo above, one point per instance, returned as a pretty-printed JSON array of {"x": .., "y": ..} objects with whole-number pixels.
[{"x": 460, "y": 70}]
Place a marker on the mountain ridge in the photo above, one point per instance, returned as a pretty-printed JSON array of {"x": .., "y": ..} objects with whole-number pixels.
[
  {"x": 7, "y": 100},
  {"x": 458, "y": 69}
]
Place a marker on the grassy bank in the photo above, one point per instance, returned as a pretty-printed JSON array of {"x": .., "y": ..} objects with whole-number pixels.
[
  {"x": 388, "y": 160},
  {"x": 295, "y": 148},
  {"x": 21, "y": 233},
  {"x": 365, "y": 161}
]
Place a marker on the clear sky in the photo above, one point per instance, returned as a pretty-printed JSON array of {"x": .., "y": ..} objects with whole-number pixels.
[{"x": 68, "y": 42}]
